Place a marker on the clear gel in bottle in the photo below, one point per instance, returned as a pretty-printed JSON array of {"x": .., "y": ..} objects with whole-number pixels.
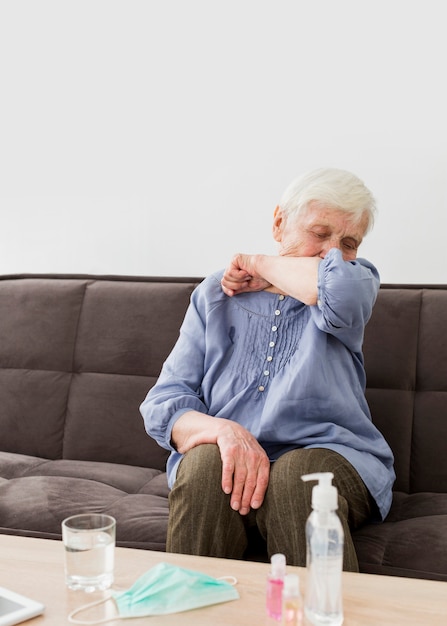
[
  {"x": 324, "y": 536},
  {"x": 275, "y": 584}
]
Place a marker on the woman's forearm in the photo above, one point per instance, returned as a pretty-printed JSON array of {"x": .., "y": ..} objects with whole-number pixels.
[{"x": 294, "y": 276}]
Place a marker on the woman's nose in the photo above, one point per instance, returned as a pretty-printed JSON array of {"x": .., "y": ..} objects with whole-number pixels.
[{"x": 327, "y": 245}]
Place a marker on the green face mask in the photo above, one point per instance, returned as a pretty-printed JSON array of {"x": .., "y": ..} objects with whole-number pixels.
[{"x": 165, "y": 589}]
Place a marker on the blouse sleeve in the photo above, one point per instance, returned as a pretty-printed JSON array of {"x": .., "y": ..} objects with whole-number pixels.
[
  {"x": 178, "y": 388},
  {"x": 347, "y": 291}
]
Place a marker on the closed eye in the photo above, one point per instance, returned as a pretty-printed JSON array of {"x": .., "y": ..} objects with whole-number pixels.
[
  {"x": 350, "y": 244},
  {"x": 320, "y": 235}
]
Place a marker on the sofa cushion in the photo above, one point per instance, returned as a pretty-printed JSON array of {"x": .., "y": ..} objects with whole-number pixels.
[
  {"x": 79, "y": 355},
  {"x": 405, "y": 351},
  {"x": 33, "y": 310},
  {"x": 390, "y": 348},
  {"x": 415, "y": 522},
  {"x": 37, "y": 494},
  {"x": 117, "y": 430},
  {"x": 33, "y": 411},
  {"x": 129, "y": 327}
]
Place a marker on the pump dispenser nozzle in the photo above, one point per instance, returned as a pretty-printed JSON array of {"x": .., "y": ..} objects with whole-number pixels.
[
  {"x": 324, "y": 495},
  {"x": 278, "y": 563}
]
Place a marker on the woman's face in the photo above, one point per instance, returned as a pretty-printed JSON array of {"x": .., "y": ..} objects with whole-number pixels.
[{"x": 316, "y": 231}]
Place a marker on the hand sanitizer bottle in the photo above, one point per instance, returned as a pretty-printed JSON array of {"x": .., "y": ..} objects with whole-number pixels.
[
  {"x": 275, "y": 584},
  {"x": 324, "y": 536},
  {"x": 292, "y": 610}
]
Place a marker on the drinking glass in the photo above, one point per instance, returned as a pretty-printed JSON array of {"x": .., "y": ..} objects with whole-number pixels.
[{"x": 89, "y": 542}]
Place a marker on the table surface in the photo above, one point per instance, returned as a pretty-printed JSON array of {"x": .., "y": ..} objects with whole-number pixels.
[{"x": 34, "y": 567}]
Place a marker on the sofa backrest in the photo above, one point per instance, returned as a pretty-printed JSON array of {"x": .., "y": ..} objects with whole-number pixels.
[
  {"x": 79, "y": 353},
  {"x": 405, "y": 351},
  {"x": 77, "y": 357}
]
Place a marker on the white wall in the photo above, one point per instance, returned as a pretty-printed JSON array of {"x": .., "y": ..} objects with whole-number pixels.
[{"x": 156, "y": 137}]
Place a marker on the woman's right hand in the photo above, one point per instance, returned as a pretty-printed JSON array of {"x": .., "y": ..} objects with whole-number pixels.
[
  {"x": 245, "y": 464},
  {"x": 245, "y": 467}
]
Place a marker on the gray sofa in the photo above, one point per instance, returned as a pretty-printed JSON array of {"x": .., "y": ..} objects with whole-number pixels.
[{"x": 78, "y": 355}]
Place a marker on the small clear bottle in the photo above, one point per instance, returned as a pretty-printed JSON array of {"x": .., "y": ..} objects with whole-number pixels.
[
  {"x": 292, "y": 608},
  {"x": 275, "y": 584},
  {"x": 324, "y": 536}
]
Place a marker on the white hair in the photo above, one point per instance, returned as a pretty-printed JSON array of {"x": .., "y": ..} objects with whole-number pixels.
[{"x": 330, "y": 187}]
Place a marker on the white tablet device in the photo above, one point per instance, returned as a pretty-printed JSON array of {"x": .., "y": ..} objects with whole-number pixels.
[{"x": 15, "y": 608}]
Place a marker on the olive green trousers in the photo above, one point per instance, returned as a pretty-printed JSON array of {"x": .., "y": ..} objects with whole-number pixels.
[{"x": 202, "y": 522}]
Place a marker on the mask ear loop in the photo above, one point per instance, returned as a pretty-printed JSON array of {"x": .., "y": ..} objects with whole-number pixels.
[
  {"x": 230, "y": 579},
  {"x": 72, "y": 620}
]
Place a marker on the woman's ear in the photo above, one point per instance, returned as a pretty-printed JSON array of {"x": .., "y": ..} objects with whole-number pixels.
[{"x": 278, "y": 223}]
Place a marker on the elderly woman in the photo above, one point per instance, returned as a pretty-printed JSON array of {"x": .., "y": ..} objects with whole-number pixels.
[{"x": 266, "y": 383}]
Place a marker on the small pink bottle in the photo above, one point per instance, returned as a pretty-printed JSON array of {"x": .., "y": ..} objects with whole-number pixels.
[{"x": 275, "y": 584}]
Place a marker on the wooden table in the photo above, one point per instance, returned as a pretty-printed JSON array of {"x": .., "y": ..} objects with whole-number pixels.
[{"x": 34, "y": 567}]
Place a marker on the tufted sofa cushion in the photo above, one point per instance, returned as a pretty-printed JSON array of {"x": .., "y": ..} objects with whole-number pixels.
[{"x": 37, "y": 493}]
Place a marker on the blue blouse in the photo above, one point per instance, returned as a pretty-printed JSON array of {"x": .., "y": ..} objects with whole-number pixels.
[{"x": 291, "y": 374}]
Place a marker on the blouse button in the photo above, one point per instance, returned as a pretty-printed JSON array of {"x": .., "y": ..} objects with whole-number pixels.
[
  {"x": 266, "y": 372},
  {"x": 261, "y": 388},
  {"x": 274, "y": 328},
  {"x": 269, "y": 358},
  {"x": 281, "y": 297},
  {"x": 272, "y": 344},
  {"x": 277, "y": 312}
]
